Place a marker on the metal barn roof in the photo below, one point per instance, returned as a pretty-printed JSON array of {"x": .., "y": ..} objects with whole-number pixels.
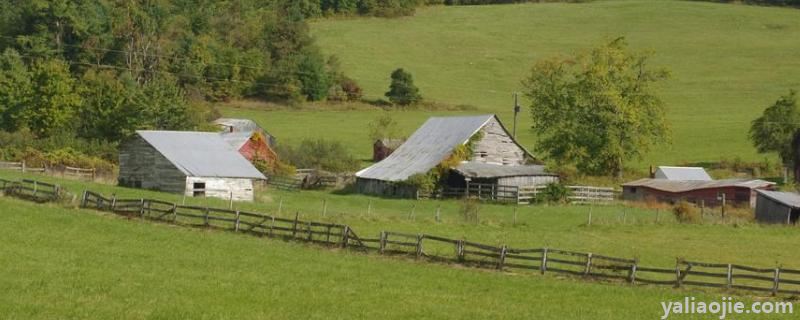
[
  {"x": 691, "y": 185},
  {"x": 426, "y": 148},
  {"x": 236, "y": 139},
  {"x": 487, "y": 170},
  {"x": 201, "y": 154},
  {"x": 790, "y": 199},
  {"x": 682, "y": 173},
  {"x": 238, "y": 125}
]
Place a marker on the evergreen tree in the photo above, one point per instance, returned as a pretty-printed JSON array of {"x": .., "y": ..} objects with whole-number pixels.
[{"x": 402, "y": 90}]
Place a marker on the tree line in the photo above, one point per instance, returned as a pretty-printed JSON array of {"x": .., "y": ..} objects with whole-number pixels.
[{"x": 100, "y": 69}]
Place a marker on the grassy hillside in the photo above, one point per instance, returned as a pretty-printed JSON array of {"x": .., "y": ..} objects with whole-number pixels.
[
  {"x": 728, "y": 63},
  {"x": 557, "y": 226},
  {"x": 79, "y": 264}
]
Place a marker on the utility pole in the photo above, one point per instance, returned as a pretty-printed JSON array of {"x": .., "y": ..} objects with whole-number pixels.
[{"x": 516, "y": 111}]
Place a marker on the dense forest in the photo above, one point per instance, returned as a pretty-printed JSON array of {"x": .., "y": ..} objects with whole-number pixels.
[{"x": 76, "y": 77}]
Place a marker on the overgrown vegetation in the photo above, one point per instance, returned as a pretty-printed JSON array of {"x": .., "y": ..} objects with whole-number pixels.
[
  {"x": 318, "y": 154},
  {"x": 777, "y": 128}
]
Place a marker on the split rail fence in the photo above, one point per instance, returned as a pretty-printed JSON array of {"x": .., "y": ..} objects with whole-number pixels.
[
  {"x": 441, "y": 249},
  {"x": 685, "y": 273},
  {"x": 80, "y": 173}
]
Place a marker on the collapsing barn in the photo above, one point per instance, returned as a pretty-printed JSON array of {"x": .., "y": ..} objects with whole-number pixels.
[
  {"x": 192, "y": 163},
  {"x": 777, "y": 207},
  {"x": 384, "y": 147},
  {"x": 489, "y": 143}
]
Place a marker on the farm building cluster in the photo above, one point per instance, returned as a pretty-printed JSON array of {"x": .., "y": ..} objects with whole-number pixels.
[
  {"x": 214, "y": 164},
  {"x": 472, "y": 156}
]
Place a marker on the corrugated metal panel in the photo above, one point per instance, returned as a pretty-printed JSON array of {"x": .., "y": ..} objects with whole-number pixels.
[
  {"x": 487, "y": 170},
  {"x": 238, "y": 125},
  {"x": 429, "y": 146},
  {"x": 690, "y": 185},
  {"x": 237, "y": 139},
  {"x": 201, "y": 154},
  {"x": 790, "y": 199},
  {"x": 426, "y": 148},
  {"x": 682, "y": 173}
]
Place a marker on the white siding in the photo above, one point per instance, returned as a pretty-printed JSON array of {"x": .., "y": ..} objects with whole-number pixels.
[
  {"x": 522, "y": 181},
  {"x": 224, "y": 188}
]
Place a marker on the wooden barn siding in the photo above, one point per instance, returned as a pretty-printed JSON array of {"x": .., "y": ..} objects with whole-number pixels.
[
  {"x": 497, "y": 146},
  {"x": 383, "y": 188},
  {"x": 708, "y": 195},
  {"x": 770, "y": 211},
  {"x": 139, "y": 161},
  {"x": 241, "y": 189},
  {"x": 526, "y": 181}
]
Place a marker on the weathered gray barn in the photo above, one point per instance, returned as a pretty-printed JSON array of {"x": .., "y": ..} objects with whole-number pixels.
[
  {"x": 434, "y": 142},
  {"x": 192, "y": 163},
  {"x": 777, "y": 207},
  {"x": 487, "y": 173}
]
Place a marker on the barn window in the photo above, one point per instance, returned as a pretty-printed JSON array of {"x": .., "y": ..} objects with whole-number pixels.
[
  {"x": 633, "y": 189},
  {"x": 199, "y": 189}
]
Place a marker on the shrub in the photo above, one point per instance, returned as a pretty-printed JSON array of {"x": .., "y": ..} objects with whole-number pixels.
[
  {"x": 425, "y": 183},
  {"x": 319, "y": 154},
  {"x": 554, "y": 193},
  {"x": 402, "y": 90},
  {"x": 686, "y": 213}
]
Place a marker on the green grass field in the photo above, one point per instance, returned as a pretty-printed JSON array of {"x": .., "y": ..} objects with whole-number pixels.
[
  {"x": 557, "y": 226},
  {"x": 728, "y": 63},
  {"x": 80, "y": 264}
]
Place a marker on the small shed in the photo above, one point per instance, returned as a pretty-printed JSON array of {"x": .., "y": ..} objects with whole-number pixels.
[
  {"x": 191, "y": 163},
  {"x": 382, "y": 148},
  {"x": 777, "y": 207},
  {"x": 682, "y": 173},
  {"x": 736, "y": 191}
]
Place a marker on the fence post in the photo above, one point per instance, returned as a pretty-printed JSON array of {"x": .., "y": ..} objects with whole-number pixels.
[
  {"x": 439, "y": 213},
  {"x": 543, "y": 266},
  {"x": 588, "y": 268},
  {"x": 502, "y": 259},
  {"x": 206, "y": 217},
  {"x": 174, "y": 213},
  {"x": 776, "y": 281},
  {"x": 23, "y": 165},
  {"x": 272, "y": 227},
  {"x": 94, "y": 171},
  {"x": 678, "y": 278},
  {"x": 294, "y": 224},
  {"x": 589, "y": 223},
  {"x": 419, "y": 245},
  {"x": 113, "y": 202},
  {"x": 308, "y": 228},
  {"x": 324, "y": 207},
  {"x": 729, "y": 277},
  {"x": 412, "y": 214},
  {"x": 632, "y": 274},
  {"x": 280, "y": 206},
  {"x": 345, "y": 236},
  {"x": 369, "y": 208},
  {"x": 382, "y": 243},
  {"x": 516, "y": 207},
  {"x": 460, "y": 250},
  {"x": 141, "y": 207},
  {"x": 236, "y": 227},
  {"x": 83, "y": 198}
]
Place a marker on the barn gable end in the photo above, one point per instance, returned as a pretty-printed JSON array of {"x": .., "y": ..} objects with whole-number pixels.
[{"x": 142, "y": 166}]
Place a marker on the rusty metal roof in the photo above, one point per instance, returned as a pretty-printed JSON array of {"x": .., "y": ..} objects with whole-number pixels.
[{"x": 691, "y": 185}]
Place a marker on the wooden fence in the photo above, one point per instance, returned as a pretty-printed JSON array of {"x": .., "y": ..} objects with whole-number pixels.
[
  {"x": 284, "y": 183},
  {"x": 19, "y": 166},
  {"x": 527, "y": 194},
  {"x": 437, "y": 248},
  {"x": 31, "y": 190},
  {"x": 80, "y": 173}
]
